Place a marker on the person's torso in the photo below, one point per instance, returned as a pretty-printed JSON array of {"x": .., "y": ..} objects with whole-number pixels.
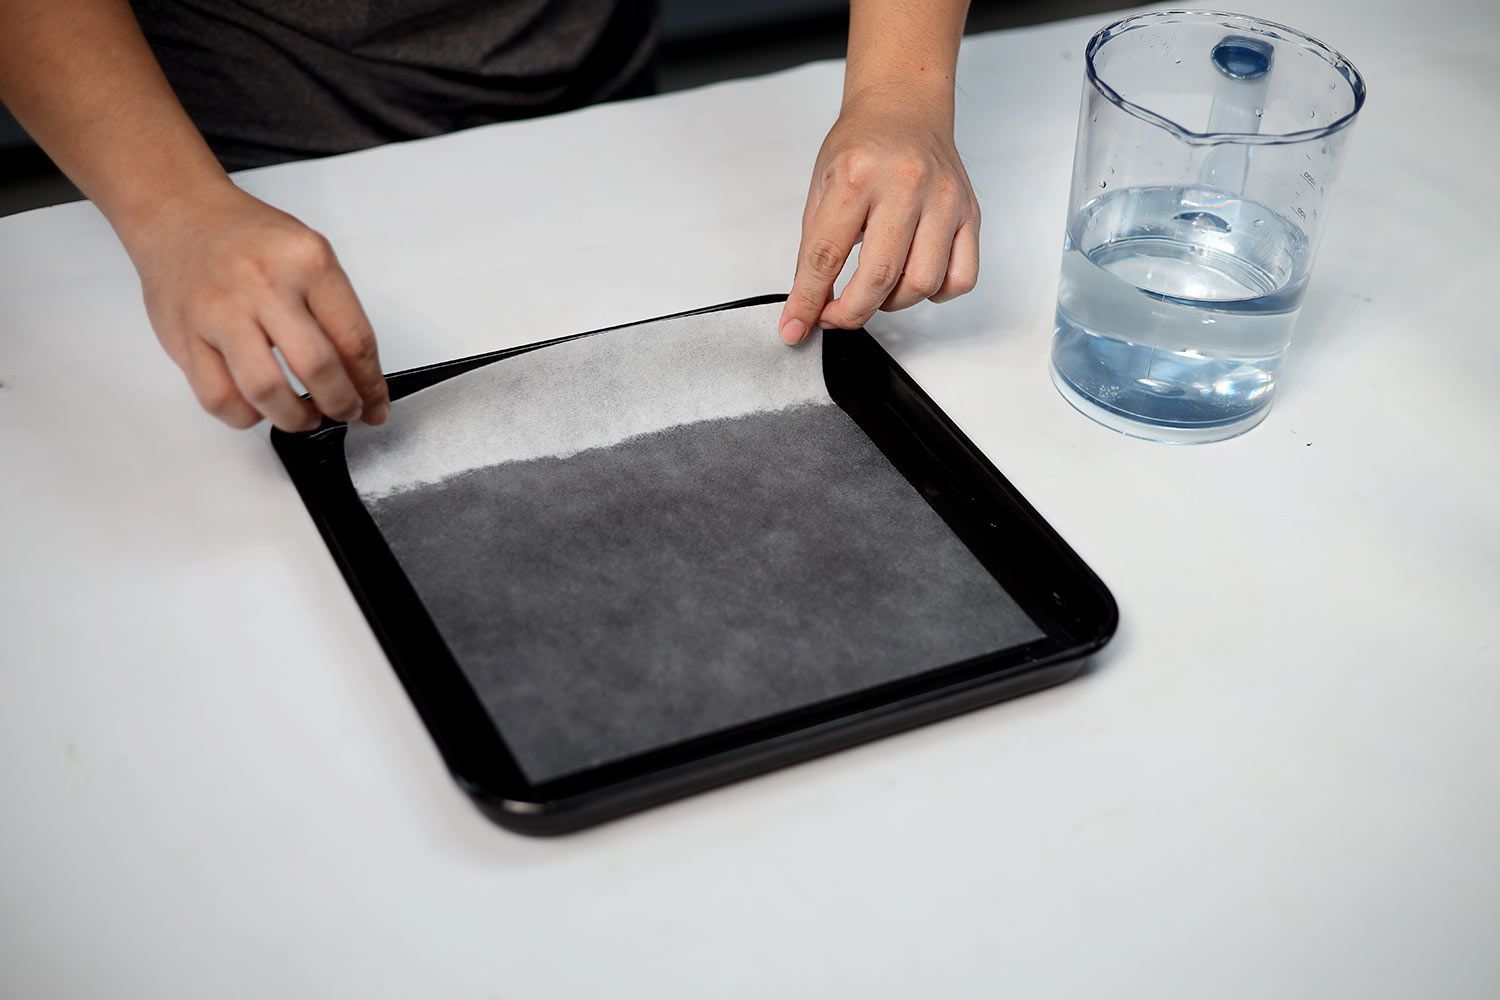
[{"x": 272, "y": 80}]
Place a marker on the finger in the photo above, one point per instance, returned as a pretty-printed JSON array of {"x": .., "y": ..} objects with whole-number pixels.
[
  {"x": 963, "y": 263},
  {"x": 258, "y": 377},
  {"x": 810, "y": 207},
  {"x": 215, "y": 390},
  {"x": 332, "y": 302},
  {"x": 926, "y": 264},
  {"x": 826, "y": 243},
  {"x": 809, "y": 210},
  {"x": 888, "y": 238},
  {"x": 313, "y": 359}
]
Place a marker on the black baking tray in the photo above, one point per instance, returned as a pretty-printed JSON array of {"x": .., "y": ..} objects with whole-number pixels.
[{"x": 1026, "y": 556}]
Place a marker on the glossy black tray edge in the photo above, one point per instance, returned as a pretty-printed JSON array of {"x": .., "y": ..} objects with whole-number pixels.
[{"x": 1036, "y": 566}]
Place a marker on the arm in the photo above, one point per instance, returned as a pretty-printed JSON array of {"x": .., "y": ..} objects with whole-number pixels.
[
  {"x": 889, "y": 170},
  {"x": 225, "y": 276}
]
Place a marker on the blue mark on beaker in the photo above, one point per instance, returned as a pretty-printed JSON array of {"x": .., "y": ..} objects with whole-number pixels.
[
  {"x": 1242, "y": 58},
  {"x": 1203, "y": 220}
]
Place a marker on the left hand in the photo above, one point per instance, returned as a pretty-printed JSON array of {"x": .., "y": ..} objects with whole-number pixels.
[{"x": 888, "y": 175}]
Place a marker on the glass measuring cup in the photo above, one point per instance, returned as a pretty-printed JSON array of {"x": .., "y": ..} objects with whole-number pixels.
[{"x": 1207, "y": 148}]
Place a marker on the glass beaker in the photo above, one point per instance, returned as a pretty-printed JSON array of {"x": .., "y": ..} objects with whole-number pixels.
[{"x": 1208, "y": 145}]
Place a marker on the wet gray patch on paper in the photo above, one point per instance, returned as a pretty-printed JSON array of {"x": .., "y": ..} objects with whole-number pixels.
[{"x": 687, "y": 575}]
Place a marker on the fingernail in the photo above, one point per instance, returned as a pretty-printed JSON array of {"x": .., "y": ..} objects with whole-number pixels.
[
  {"x": 378, "y": 413},
  {"x": 793, "y": 330}
]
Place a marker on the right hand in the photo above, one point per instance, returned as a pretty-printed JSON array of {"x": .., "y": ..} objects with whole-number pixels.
[{"x": 227, "y": 277}]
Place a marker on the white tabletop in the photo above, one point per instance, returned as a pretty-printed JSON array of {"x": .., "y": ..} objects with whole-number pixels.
[{"x": 1282, "y": 779}]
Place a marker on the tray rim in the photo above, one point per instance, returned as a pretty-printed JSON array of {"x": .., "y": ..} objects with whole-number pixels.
[{"x": 472, "y": 747}]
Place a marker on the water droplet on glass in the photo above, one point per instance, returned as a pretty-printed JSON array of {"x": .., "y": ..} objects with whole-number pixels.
[
  {"x": 1312, "y": 114},
  {"x": 1259, "y": 112},
  {"x": 1176, "y": 62},
  {"x": 1260, "y": 222},
  {"x": 1104, "y": 184}
]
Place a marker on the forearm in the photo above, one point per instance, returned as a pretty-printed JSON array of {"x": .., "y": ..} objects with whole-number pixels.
[
  {"x": 910, "y": 46},
  {"x": 81, "y": 79}
]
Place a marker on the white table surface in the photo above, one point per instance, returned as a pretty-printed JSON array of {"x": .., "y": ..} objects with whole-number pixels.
[{"x": 1282, "y": 779}]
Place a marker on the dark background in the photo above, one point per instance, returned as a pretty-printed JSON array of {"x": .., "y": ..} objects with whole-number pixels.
[{"x": 703, "y": 41}]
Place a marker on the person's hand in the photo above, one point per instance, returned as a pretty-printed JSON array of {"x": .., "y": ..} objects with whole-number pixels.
[
  {"x": 226, "y": 278},
  {"x": 889, "y": 174}
]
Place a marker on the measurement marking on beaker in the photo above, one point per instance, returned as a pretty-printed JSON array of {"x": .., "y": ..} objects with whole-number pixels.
[
  {"x": 1300, "y": 214},
  {"x": 1309, "y": 178}
]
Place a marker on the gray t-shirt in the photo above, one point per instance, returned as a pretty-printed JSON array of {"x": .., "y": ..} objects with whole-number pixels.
[{"x": 274, "y": 80}]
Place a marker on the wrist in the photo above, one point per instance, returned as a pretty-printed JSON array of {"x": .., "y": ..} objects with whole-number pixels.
[
  {"x": 142, "y": 216},
  {"x": 901, "y": 95}
]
